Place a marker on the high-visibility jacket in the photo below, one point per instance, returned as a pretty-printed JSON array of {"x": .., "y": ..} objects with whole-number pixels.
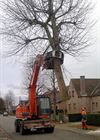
[
  {"x": 83, "y": 112},
  {"x": 84, "y": 115}
]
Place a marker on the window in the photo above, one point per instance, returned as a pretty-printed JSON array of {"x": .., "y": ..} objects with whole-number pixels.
[
  {"x": 93, "y": 106},
  {"x": 74, "y": 106},
  {"x": 72, "y": 93},
  {"x": 69, "y": 93},
  {"x": 96, "y": 104},
  {"x": 69, "y": 107},
  {"x": 43, "y": 105}
]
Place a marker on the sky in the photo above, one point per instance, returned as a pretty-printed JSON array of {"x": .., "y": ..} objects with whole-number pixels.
[
  {"x": 89, "y": 65},
  {"x": 11, "y": 70}
]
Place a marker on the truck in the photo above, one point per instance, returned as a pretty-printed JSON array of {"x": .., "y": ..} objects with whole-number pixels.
[{"x": 36, "y": 114}]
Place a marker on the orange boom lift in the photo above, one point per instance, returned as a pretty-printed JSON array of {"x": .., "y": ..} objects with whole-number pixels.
[{"x": 35, "y": 115}]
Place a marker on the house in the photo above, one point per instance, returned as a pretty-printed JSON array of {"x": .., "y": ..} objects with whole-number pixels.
[{"x": 83, "y": 93}]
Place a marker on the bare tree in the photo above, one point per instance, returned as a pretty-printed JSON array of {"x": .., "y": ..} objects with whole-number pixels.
[
  {"x": 27, "y": 72},
  {"x": 2, "y": 105},
  {"x": 44, "y": 76},
  {"x": 9, "y": 100},
  {"x": 35, "y": 25}
]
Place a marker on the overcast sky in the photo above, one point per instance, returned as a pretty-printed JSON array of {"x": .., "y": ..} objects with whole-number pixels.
[{"x": 89, "y": 65}]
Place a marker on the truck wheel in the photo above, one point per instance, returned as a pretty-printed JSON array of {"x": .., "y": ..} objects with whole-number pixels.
[
  {"x": 49, "y": 130},
  {"x": 17, "y": 126},
  {"x": 22, "y": 130}
]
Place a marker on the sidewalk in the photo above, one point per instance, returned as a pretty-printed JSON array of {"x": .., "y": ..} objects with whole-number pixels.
[{"x": 76, "y": 128}]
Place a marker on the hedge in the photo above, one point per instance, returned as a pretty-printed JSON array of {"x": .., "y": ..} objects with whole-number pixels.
[
  {"x": 74, "y": 117},
  {"x": 93, "y": 119}
]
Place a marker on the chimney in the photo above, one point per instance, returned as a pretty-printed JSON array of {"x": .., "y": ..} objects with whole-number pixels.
[{"x": 82, "y": 86}]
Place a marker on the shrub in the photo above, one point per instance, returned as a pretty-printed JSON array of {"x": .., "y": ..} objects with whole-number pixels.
[
  {"x": 74, "y": 117},
  {"x": 93, "y": 119}
]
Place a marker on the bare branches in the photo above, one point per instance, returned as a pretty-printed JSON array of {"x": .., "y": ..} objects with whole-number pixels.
[
  {"x": 60, "y": 24},
  {"x": 43, "y": 85},
  {"x": 33, "y": 25}
]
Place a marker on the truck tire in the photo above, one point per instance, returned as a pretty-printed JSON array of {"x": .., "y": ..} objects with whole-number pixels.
[
  {"x": 17, "y": 129},
  {"x": 49, "y": 130},
  {"x": 22, "y": 130}
]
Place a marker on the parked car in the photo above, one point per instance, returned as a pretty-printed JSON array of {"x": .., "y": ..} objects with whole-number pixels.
[{"x": 5, "y": 114}]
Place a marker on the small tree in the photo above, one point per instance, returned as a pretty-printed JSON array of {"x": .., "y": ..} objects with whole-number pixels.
[{"x": 9, "y": 100}]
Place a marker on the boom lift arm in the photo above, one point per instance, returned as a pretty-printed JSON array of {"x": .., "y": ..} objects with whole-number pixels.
[{"x": 32, "y": 87}]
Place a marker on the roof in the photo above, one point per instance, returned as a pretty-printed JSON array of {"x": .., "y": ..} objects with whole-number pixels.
[
  {"x": 96, "y": 91},
  {"x": 91, "y": 85}
]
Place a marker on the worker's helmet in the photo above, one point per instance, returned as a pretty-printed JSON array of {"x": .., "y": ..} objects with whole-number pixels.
[{"x": 83, "y": 108}]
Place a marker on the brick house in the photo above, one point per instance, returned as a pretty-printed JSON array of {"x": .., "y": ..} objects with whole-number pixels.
[{"x": 83, "y": 93}]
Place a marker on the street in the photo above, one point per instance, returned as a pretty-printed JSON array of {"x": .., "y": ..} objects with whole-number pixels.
[{"x": 7, "y": 123}]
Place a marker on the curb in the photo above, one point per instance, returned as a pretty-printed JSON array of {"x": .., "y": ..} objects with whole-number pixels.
[{"x": 79, "y": 131}]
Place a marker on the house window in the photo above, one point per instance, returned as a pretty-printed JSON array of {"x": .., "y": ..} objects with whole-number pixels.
[
  {"x": 74, "y": 106},
  {"x": 72, "y": 93},
  {"x": 96, "y": 104},
  {"x": 93, "y": 106},
  {"x": 69, "y": 107}
]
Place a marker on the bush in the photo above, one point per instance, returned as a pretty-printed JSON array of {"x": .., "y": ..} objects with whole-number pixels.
[
  {"x": 93, "y": 119},
  {"x": 74, "y": 117}
]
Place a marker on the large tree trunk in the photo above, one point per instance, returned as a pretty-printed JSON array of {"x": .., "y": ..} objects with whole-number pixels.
[{"x": 60, "y": 80}]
